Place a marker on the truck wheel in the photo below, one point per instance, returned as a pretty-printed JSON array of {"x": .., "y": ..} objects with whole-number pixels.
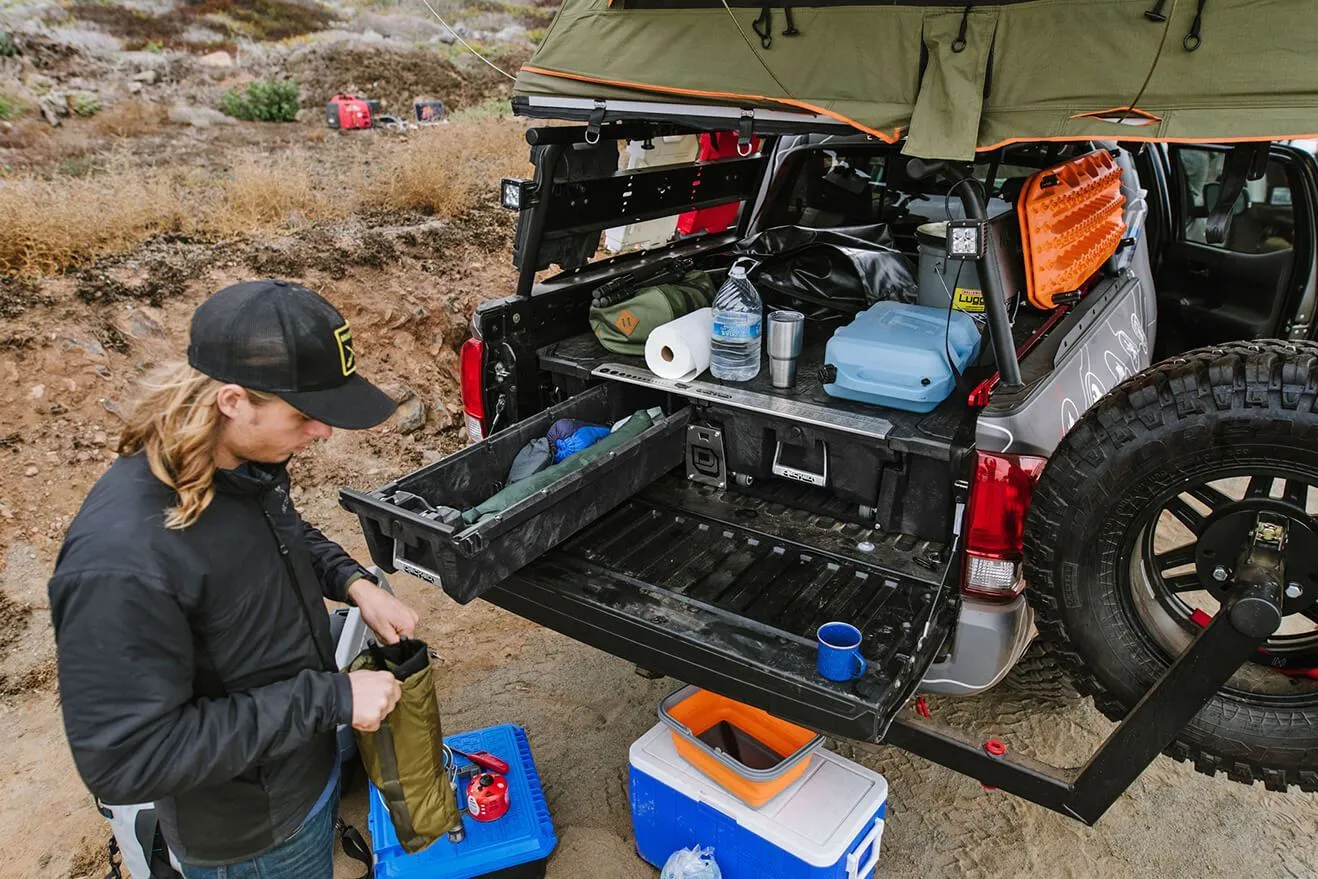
[
  {"x": 1042, "y": 677},
  {"x": 1137, "y": 520}
]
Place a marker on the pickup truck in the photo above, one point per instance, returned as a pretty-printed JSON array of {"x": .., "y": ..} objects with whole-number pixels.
[{"x": 1106, "y": 481}]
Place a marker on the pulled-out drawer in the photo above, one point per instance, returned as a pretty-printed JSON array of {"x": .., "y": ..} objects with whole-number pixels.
[{"x": 416, "y": 523}]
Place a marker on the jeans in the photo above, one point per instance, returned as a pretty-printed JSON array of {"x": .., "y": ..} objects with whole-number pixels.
[{"x": 307, "y": 854}]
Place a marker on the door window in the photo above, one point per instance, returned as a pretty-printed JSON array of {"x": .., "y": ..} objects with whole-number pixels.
[{"x": 1263, "y": 217}]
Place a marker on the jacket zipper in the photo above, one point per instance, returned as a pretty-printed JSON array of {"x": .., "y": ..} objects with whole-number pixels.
[{"x": 297, "y": 592}]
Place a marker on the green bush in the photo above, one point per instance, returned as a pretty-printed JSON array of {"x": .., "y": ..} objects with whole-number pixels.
[
  {"x": 11, "y": 108},
  {"x": 84, "y": 103},
  {"x": 265, "y": 100},
  {"x": 7, "y": 47}
]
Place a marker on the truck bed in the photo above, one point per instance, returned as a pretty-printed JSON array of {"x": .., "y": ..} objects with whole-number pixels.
[{"x": 724, "y": 580}]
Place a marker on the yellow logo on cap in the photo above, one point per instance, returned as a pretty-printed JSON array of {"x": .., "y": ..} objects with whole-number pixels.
[{"x": 347, "y": 359}]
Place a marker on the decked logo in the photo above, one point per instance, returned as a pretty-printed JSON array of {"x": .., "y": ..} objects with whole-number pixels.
[{"x": 347, "y": 359}]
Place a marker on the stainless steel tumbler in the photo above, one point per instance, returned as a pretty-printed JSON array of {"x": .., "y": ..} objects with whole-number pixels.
[{"x": 786, "y": 330}]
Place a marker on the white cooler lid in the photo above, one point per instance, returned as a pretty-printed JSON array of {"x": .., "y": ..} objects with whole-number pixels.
[{"x": 816, "y": 818}]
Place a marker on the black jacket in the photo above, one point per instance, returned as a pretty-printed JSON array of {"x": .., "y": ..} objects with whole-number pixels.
[{"x": 195, "y": 667}]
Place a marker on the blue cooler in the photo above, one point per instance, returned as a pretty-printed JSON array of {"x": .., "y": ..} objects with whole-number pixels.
[
  {"x": 517, "y": 846},
  {"x": 827, "y": 825},
  {"x": 897, "y": 355}
]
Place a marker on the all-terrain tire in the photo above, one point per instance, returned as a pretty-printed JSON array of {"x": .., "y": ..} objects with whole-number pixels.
[
  {"x": 1042, "y": 676},
  {"x": 1215, "y": 410}
]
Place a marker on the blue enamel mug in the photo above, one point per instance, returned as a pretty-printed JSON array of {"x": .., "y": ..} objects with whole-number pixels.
[{"x": 839, "y": 652}]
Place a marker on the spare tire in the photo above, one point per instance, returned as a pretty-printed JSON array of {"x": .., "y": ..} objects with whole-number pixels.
[
  {"x": 1042, "y": 677},
  {"x": 1136, "y": 522}
]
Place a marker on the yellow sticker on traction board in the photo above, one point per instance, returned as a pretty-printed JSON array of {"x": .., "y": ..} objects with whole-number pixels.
[{"x": 967, "y": 299}]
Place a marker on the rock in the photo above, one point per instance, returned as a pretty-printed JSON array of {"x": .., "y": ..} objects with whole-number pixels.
[
  {"x": 54, "y": 107},
  {"x": 94, "y": 350},
  {"x": 199, "y": 34},
  {"x": 408, "y": 28},
  {"x": 443, "y": 420},
  {"x": 198, "y": 117},
  {"x": 135, "y": 88},
  {"x": 218, "y": 60},
  {"x": 5, "y": 512},
  {"x": 446, "y": 37},
  {"x": 147, "y": 77},
  {"x": 142, "y": 323},
  {"x": 37, "y": 392},
  {"x": 513, "y": 33},
  {"x": 99, "y": 438},
  {"x": 32, "y": 470},
  {"x": 411, "y": 416},
  {"x": 91, "y": 41},
  {"x": 39, "y": 83},
  {"x": 399, "y": 393}
]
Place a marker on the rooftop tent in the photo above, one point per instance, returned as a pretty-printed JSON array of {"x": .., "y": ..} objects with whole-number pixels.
[{"x": 950, "y": 78}]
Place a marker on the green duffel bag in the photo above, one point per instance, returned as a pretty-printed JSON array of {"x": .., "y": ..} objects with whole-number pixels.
[
  {"x": 404, "y": 758},
  {"x": 623, "y": 328}
]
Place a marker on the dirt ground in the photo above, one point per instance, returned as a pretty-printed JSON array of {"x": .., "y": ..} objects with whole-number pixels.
[{"x": 72, "y": 344}]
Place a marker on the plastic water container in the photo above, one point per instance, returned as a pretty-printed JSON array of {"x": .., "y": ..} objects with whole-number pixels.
[
  {"x": 735, "y": 340},
  {"x": 828, "y": 824},
  {"x": 899, "y": 355}
]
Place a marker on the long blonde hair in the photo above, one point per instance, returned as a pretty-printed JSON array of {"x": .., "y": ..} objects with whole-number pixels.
[{"x": 176, "y": 423}]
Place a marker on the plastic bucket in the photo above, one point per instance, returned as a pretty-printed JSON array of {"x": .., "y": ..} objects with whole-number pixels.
[{"x": 773, "y": 753}]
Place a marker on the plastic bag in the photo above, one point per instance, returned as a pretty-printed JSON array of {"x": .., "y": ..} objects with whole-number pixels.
[{"x": 691, "y": 863}]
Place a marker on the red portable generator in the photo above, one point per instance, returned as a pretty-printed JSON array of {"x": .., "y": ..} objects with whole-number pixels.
[{"x": 346, "y": 112}]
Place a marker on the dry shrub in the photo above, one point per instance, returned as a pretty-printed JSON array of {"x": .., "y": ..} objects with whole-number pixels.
[
  {"x": 442, "y": 170},
  {"x": 49, "y": 225},
  {"x": 22, "y": 135},
  {"x": 264, "y": 195},
  {"x": 130, "y": 119}
]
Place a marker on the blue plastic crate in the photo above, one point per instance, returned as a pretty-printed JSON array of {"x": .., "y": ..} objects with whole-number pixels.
[{"x": 523, "y": 838}]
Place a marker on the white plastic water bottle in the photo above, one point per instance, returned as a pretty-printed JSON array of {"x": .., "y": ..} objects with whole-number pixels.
[{"x": 736, "y": 338}]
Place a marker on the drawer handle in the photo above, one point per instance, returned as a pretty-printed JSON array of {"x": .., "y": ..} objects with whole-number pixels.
[{"x": 412, "y": 568}]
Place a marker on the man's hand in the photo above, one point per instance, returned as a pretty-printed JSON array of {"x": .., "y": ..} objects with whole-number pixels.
[
  {"x": 374, "y": 695},
  {"x": 388, "y": 617}
]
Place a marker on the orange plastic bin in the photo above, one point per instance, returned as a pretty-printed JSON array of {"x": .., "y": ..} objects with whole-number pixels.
[{"x": 691, "y": 713}]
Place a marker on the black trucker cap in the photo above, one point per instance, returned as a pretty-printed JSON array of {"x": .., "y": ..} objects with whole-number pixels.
[{"x": 284, "y": 339}]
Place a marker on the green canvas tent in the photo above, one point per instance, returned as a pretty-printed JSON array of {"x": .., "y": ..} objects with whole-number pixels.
[{"x": 950, "y": 78}]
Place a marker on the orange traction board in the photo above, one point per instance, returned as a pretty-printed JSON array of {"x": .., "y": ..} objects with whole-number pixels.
[{"x": 1072, "y": 220}]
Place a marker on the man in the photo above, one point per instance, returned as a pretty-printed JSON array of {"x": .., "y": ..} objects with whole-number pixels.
[{"x": 195, "y": 662}]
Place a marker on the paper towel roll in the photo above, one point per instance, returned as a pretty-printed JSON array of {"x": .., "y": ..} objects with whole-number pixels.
[{"x": 679, "y": 349}]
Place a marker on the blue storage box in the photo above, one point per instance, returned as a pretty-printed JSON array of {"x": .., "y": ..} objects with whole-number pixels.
[
  {"x": 826, "y": 825},
  {"x": 895, "y": 354},
  {"x": 517, "y": 845}
]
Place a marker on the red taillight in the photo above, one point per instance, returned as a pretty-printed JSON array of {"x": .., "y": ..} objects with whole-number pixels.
[
  {"x": 473, "y": 387},
  {"x": 995, "y": 523}
]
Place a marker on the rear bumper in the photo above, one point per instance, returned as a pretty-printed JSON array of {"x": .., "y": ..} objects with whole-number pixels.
[{"x": 988, "y": 640}]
